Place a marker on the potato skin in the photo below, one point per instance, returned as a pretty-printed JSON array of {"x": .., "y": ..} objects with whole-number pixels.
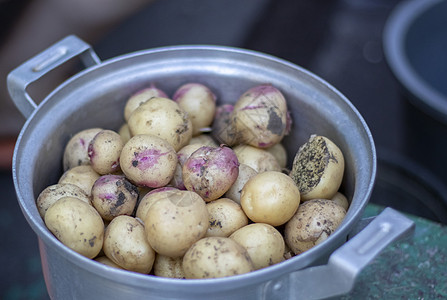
[
  {"x": 245, "y": 173},
  {"x": 260, "y": 116},
  {"x": 226, "y": 216},
  {"x": 126, "y": 245},
  {"x": 264, "y": 244},
  {"x": 270, "y": 197},
  {"x": 259, "y": 159},
  {"x": 54, "y": 192},
  {"x": 165, "y": 266},
  {"x": 214, "y": 257},
  {"x": 104, "y": 151},
  {"x": 318, "y": 168},
  {"x": 140, "y": 97},
  {"x": 164, "y": 118},
  {"x": 76, "y": 150},
  {"x": 83, "y": 176},
  {"x": 199, "y": 102},
  {"x": 210, "y": 171},
  {"x": 114, "y": 195},
  {"x": 77, "y": 225},
  {"x": 174, "y": 223},
  {"x": 312, "y": 224},
  {"x": 148, "y": 160}
]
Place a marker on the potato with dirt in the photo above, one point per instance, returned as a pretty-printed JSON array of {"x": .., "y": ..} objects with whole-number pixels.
[
  {"x": 318, "y": 168},
  {"x": 312, "y": 224},
  {"x": 148, "y": 161},
  {"x": 226, "y": 216},
  {"x": 56, "y": 191},
  {"x": 169, "y": 267},
  {"x": 114, "y": 195},
  {"x": 199, "y": 102},
  {"x": 222, "y": 129},
  {"x": 210, "y": 171},
  {"x": 182, "y": 155},
  {"x": 175, "y": 222},
  {"x": 216, "y": 257},
  {"x": 164, "y": 118},
  {"x": 260, "y": 116},
  {"x": 125, "y": 244},
  {"x": 77, "y": 225}
]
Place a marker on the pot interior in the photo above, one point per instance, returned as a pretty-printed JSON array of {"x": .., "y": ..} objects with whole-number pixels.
[{"x": 96, "y": 98}]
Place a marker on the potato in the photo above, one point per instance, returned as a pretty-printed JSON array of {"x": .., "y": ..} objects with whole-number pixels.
[
  {"x": 312, "y": 224},
  {"x": 76, "y": 150},
  {"x": 199, "y": 102},
  {"x": 259, "y": 159},
  {"x": 280, "y": 153},
  {"x": 140, "y": 97},
  {"x": 226, "y": 216},
  {"x": 164, "y": 118},
  {"x": 182, "y": 155},
  {"x": 222, "y": 129},
  {"x": 318, "y": 168},
  {"x": 125, "y": 244},
  {"x": 170, "y": 267},
  {"x": 77, "y": 225},
  {"x": 260, "y": 116},
  {"x": 54, "y": 192},
  {"x": 175, "y": 222},
  {"x": 107, "y": 261},
  {"x": 203, "y": 139},
  {"x": 114, "y": 195},
  {"x": 214, "y": 257},
  {"x": 341, "y": 200},
  {"x": 82, "y": 176},
  {"x": 270, "y": 197},
  {"x": 210, "y": 171},
  {"x": 104, "y": 152},
  {"x": 245, "y": 173},
  {"x": 148, "y": 160},
  {"x": 264, "y": 243},
  {"x": 149, "y": 198},
  {"x": 124, "y": 133}
]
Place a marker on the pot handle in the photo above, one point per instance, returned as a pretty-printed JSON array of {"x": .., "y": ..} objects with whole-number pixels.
[
  {"x": 39, "y": 65},
  {"x": 338, "y": 276}
]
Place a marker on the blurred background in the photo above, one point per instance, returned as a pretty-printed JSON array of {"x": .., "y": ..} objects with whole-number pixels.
[{"x": 339, "y": 40}]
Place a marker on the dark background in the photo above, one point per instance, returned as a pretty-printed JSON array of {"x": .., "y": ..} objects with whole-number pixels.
[{"x": 340, "y": 41}]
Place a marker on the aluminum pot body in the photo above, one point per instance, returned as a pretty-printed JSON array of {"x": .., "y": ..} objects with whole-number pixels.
[
  {"x": 96, "y": 96},
  {"x": 415, "y": 43}
]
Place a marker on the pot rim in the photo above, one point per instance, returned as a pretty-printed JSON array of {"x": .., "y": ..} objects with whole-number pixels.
[
  {"x": 255, "y": 277},
  {"x": 425, "y": 97}
]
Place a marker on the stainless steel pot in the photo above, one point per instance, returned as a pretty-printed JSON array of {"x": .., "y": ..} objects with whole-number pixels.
[{"x": 96, "y": 96}]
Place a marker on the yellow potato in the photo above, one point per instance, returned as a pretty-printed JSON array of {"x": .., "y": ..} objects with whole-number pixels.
[
  {"x": 270, "y": 197},
  {"x": 226, "y": 216},
  {"x": 125, "y": 244},
  {"x": 214, "y": 257},
  {"x": 77, "y": 225}
]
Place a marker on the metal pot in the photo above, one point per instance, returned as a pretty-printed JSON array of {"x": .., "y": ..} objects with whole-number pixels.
[
  {"x": 96, "y": 97},
  {"x": 415, "y": 43}
]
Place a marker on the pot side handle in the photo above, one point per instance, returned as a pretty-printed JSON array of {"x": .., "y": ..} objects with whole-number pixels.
[
  {"x": 39, "y": 65},
  {"x": 338, "y": 276}
]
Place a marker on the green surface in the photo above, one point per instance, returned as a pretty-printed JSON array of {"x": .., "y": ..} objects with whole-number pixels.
[{"x": 415, "y": 268}]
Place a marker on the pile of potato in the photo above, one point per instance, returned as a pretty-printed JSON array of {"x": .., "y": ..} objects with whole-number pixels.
[{"x": 191, "y": 189}]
